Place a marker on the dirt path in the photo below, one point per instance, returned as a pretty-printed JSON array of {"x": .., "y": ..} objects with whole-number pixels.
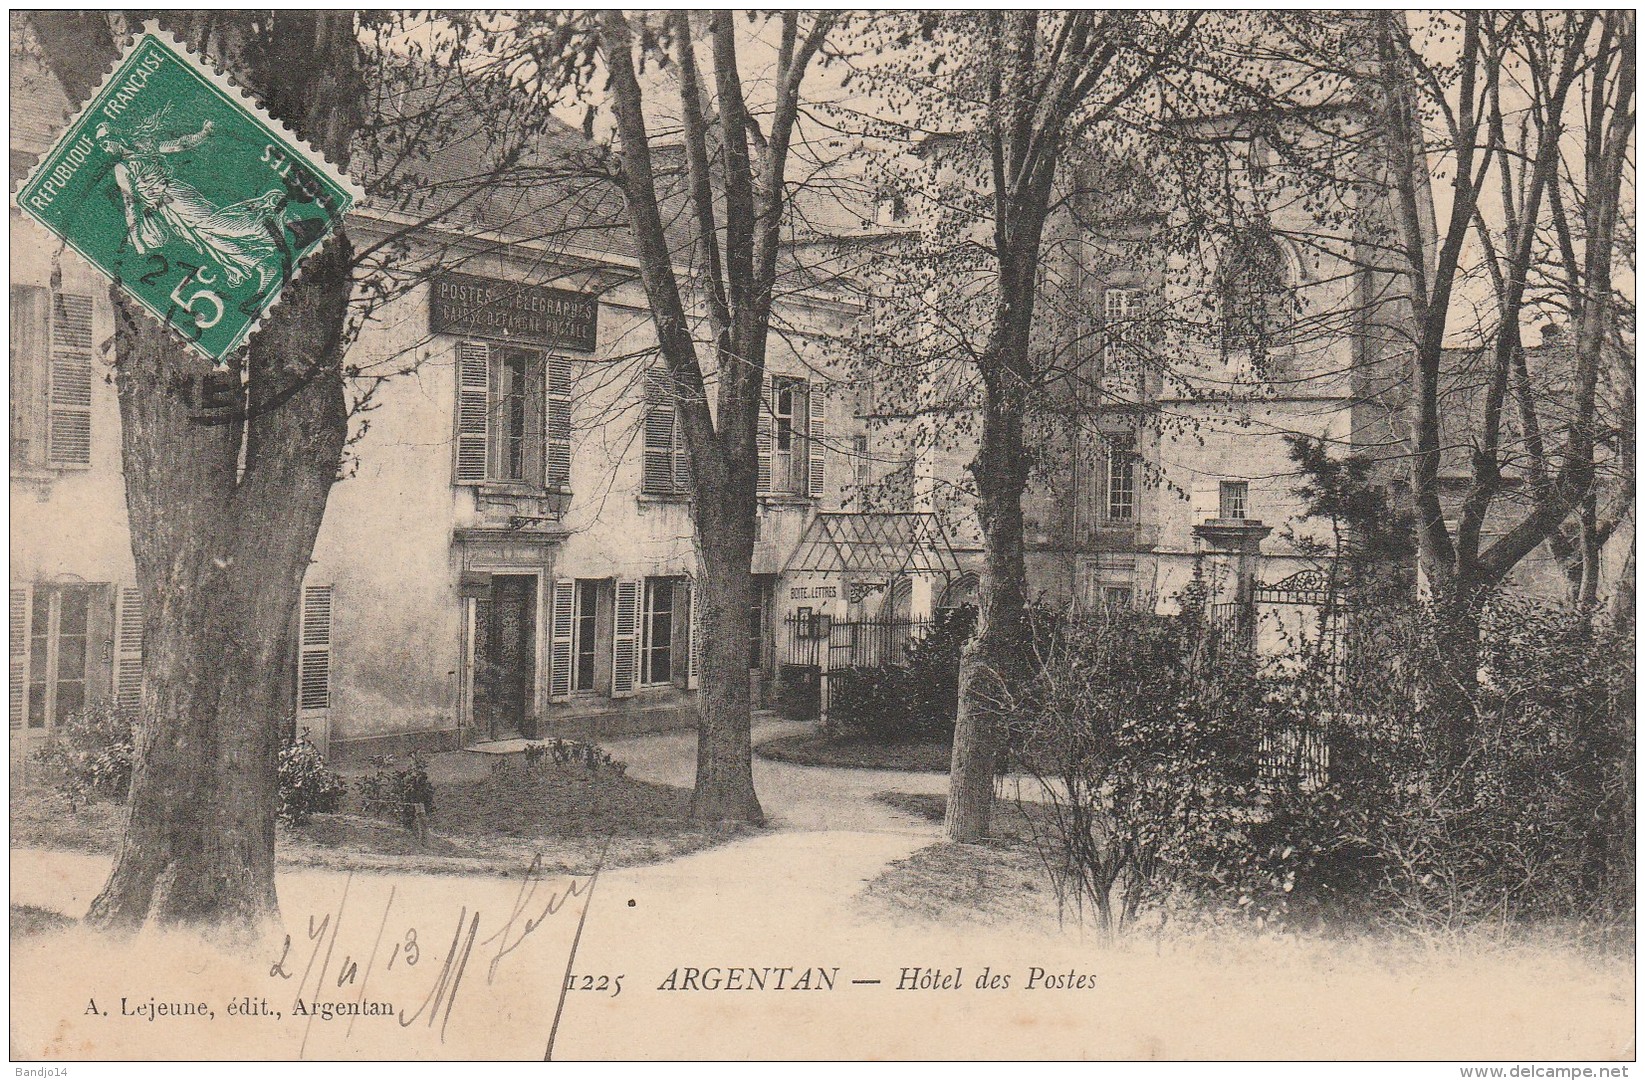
[{"x": 794, "y": 797}]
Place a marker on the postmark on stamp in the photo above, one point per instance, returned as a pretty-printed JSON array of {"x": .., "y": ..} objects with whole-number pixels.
[{"x": 194, "y": 201}]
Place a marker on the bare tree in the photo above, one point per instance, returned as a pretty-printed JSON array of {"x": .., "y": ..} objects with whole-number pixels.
[
  {"x": 1533, "y": 120},
  {"x": 1004, "y": 100},
  {"x": 737, "y": 150}
]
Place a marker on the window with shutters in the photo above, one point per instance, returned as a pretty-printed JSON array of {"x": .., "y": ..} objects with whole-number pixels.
[
  {"x": 513, "y": 417},
  {"x": 53, "y": 667},
  {"x": 51, "y": 378},
  {"x": 657, "y": 627},
  {"x": 625, "y": 637},
  {"x": 585, "y": 634},
  {"x": 1108, "y": 582},
  {"x": 666, "y": 466},
  {"x": 20, "y": 638},
  {"x": 314, "y": 667},
  {"x": 792, "y": 438}
]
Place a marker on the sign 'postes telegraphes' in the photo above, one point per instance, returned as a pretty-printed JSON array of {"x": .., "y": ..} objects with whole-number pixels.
[
  {"x": 200, "y": 206},
  {"x": 513, "y": 312}
]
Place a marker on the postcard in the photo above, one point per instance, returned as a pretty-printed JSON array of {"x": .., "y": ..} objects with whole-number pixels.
[{"x": 823, "y": 535}]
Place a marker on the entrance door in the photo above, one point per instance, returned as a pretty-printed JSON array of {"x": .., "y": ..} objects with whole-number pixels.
[{"x": 505, "y": 654}]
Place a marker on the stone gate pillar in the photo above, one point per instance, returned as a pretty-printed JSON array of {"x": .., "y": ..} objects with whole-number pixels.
[{"x": 1230, "y": 549}]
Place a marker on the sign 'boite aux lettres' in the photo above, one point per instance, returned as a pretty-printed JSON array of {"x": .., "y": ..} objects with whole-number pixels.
[{"x": 512, "y": 312}]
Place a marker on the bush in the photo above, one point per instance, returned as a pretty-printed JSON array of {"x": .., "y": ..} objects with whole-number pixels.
[
  {"x": 591, "y": 756},
  {"x": 307, "y": 786},
  {"x": 91, "y": 751},
  {"x": 913, "y": 700},
  {"x": 401, "y": 792},
  {"x": 870, "y": 703},
  {"x": 1165, "y": 783},
  {"x": 1529, "y": 819},
  {"x": 1144, "y": 755}
]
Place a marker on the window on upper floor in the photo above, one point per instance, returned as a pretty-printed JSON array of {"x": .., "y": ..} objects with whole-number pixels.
[
  {"x": 1122, "y": 481},
  {"x": 51, "y": 378},
  {"x": 792, "y": 434},
  {"x": 513, "y": 416},
  {"x": 666, "y": 466},
  {"x": 1255, "y": 300},
  {"x": 1122, "y": 312},
  {"x": 1233, "y": 499}
]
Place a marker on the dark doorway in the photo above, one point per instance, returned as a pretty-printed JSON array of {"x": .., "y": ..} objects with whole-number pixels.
[{"x": 505, "y": 656}]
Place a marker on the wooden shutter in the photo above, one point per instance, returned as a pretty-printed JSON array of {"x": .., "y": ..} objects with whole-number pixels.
[
  {"x": 762, "y": 435},
  {"x": 625, "y": 638},
  {"x": 22, "y": 613},
  {"x": 682, "y": 457},
  {"x": 128, "y": 647},
  {"x": 314, "y": 652},
  {"x": 474, "y": 378},
  {"x": 30, "y": 344},
  {"x": 1204, "y": 500},
  {"x": 816, "y": 396},
  {"x": 693, "y": 636},
  {"x": 557, "y": 424},
  {"x": 68, "y": 410},
  {"x": 657, "y": 463},
  {"x": 561, "y": 623}
]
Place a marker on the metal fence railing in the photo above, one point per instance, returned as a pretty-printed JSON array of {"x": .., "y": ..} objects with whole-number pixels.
[{"x": 820, "y": 642}]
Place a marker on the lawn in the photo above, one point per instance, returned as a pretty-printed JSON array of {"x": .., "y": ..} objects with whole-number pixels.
[
  {"x": 484, "y": 822},
  {"x": 1001, "y": 882},
  {"x": 820, "y": 749}
]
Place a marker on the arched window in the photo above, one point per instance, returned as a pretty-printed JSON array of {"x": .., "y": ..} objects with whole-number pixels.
[{"x": 1254, "y": 297}]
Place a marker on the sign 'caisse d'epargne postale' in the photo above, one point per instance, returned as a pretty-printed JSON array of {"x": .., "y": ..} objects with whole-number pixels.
[{"x": 512, "y": 312}]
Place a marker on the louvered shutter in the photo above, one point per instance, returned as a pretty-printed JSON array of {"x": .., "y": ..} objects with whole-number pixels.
[
  {"x": 314, "y": 667},
  {"x": 68, "y": 411},
  {"x": 682, "y": 457},
  {"x": 22, "y": 612},
  {"x": 128, "y": 647},
  {"x": 694, "y": 637},
  {"x": 625, "y": 639},
  {"x": 1203, "y": 500},
  {"x": 30, "y": 346},
  {"x": 473, "y": 412},
  {"x": 561, "y": 622},
  {"x": 816, "y": 439},
  {"x": 557, "y": 426},
  {"x": 657, "y": 464},
  {"x": 762, "y": 435}
]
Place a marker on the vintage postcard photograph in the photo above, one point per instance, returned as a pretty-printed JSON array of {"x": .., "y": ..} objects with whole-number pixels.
[{"x": 823, "y": 535}]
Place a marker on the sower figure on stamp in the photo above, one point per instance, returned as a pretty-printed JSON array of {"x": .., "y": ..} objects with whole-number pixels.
[{"x": 244, "y": 239}]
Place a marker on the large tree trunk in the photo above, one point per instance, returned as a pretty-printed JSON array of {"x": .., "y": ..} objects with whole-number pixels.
[
  {"x": 725, "y": 773},
  {"x": 224, "y": 511},
  {"x": 993, "y": 660},
  {"x": 220, "y": 561}
]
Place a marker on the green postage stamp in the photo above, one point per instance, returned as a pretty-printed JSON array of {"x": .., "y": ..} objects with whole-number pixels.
[{"x": 197, "y": 203}]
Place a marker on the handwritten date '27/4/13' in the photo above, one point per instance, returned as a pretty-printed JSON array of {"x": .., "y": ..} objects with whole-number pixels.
[{"x": 429, "y": 977}]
